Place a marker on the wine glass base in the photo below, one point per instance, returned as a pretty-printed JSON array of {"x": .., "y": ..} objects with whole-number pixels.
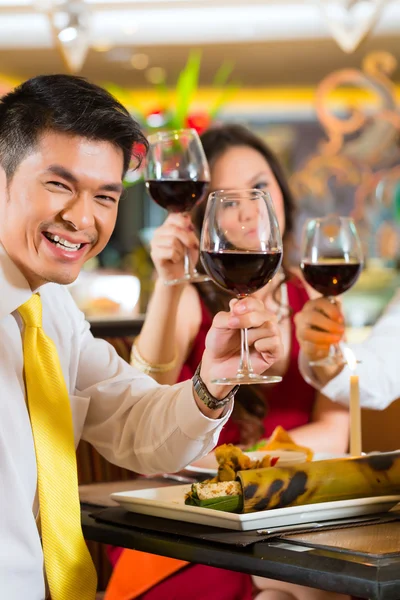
[
  {"x": 189, "y": 278},
  {"x": 328, "y": 361},
  {"x": 247, "y": 379}
]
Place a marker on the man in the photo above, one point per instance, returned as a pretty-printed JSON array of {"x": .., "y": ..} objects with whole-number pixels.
[
  {"x": 65, "y": 146},
  {"x": 321, "y": 323}
]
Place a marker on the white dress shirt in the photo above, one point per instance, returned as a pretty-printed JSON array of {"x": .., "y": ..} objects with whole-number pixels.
[
  {"x": 126, "y": 415},
  {"x": 379, "y": 370}
]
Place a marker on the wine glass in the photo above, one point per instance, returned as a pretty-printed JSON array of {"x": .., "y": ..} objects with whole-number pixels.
[
  {"x": 332, "y": 260},
  {"x": 241, "y": 250},
  {"x": 177, "y": 178}
]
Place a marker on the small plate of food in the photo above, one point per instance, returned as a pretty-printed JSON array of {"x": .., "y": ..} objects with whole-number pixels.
[
  {"x": 208, "y": 465},
  {"x": 279, "y": 448}
]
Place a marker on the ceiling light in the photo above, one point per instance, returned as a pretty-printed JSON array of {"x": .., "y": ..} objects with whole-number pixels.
[
  {"x": 68, "y": 34},
  {"x": 70, "y": 27}
]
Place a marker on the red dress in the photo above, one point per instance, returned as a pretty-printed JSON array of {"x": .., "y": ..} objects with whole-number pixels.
[
  {"x": 290, "y": 405},
  {"x": 290, "y": 402}
]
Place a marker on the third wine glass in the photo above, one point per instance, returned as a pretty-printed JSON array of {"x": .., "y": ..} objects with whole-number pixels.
[{"x": 332, "y": 260}]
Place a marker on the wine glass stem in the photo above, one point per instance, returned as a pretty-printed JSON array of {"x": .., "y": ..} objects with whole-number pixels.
[
  {"x": 245, "y": 362},
  {"x": 334, "y": 350},
  {"x": 190, "y": 270},
  {"x": 187, "y": 265}
]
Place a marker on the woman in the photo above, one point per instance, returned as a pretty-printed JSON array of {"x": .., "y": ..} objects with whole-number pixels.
[{"x": 178, "y": 319}]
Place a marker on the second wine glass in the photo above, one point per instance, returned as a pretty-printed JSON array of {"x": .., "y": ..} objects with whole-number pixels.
[
  {"x": 241, "y": 250},
  {"x": 177, "y": 178}
]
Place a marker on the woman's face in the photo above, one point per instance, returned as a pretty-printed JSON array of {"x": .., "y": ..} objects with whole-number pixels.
[{"x": 242, "y": 167}]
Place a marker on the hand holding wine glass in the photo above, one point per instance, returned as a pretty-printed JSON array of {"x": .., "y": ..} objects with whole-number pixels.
[
  {"x": 177, "y": 178},
  {"x": 170, "y": 243},
  {"x": 319, "y": 324},
  {"x": 241, "y": 250},
  {"x": 224, "y": 343},
  {"x": 332, "y": 261}
]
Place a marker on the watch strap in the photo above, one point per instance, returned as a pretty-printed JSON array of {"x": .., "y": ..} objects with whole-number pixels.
[{"x": 208, "y": 399}]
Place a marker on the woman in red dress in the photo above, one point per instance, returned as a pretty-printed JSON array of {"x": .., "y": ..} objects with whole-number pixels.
[{"x": 173, "y": 338}]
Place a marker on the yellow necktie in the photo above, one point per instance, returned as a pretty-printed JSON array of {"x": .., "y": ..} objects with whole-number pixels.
[{"x": 69, "y": 569}]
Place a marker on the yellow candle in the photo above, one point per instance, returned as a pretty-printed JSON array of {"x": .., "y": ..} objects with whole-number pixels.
[{"x": 355, "y": 417}]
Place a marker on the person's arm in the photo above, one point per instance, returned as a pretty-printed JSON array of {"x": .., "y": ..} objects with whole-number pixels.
[
  {"x": 328, "y": 430},
  {"x": 173, "y": 316},
  {"x": 138, "y": 424},
  {"x": 378, "y": 371}
]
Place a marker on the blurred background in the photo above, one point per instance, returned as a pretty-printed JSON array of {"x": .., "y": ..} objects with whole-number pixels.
[{"x": 317, "y": 79}]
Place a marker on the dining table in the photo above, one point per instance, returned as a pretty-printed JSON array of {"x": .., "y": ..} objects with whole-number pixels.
[
  {"x": 106, "y": 326},
  {"x": 361, "y": 560}
]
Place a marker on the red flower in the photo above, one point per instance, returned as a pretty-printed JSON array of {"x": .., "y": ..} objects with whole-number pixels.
[
  {"x": 198, "y": 121},
  {"x": 156, "y": 111},
  {"x": 138, "y": 150}
]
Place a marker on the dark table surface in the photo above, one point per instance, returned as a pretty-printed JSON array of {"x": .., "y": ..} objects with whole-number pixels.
[
  {"x": 367, "y": 575},
  {"x": 116, "y": 327}
]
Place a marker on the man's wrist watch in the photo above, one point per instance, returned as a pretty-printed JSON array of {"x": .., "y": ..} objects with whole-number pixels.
[{"x": 205, "y": 396}]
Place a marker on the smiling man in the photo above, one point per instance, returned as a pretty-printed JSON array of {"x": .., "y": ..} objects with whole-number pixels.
[{"x": 65, "y": 146}]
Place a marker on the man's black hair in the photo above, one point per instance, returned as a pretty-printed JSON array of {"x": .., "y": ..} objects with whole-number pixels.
[{"x": 65, "y": 104}]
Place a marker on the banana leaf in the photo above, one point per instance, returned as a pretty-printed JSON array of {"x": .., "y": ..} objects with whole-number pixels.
[{"x": 232, "y": 504}]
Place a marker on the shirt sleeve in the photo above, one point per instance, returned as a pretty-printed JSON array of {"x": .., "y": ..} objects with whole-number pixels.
[
  {"x": 133, "y": 421},
  {"x": 379, "y": 368}
]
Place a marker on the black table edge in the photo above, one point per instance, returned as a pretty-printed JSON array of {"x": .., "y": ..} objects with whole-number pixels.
[{"x": 376, "y": 580}]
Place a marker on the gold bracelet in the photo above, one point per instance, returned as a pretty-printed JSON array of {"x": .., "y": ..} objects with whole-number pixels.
[{"x": 140, "y": 363}]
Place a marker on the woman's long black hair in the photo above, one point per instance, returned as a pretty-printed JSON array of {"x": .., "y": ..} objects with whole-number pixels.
[{"x": 250, "y": 405}]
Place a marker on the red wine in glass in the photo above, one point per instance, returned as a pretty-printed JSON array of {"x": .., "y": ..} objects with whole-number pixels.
[
  {"x": 331, "y": 276},
  {"x": 241, "y": 273},
  {"x": 177, "y": 195}
]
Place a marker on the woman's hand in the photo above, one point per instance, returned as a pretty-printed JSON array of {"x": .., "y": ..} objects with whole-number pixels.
[
  {"x": 223, "y": 342},
  {"x": 319, "y": 325},
  {"x": 169, "y": 244}
]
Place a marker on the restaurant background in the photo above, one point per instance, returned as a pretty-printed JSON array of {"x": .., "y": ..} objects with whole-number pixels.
[{"x": 320, "y": 81}]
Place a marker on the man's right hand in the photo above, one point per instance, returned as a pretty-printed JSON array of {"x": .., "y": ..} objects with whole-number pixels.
[
  {"x": 169, "y": 244},
  {"x": 319, "y": 325}
]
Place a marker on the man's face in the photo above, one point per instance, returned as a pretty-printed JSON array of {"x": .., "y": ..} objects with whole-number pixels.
[{"x": 60, "y": 207}]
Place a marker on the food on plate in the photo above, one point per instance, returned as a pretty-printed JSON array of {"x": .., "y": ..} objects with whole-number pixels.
[
  {"x": 308, "y": 483},
  {"x": 281, "y": 440},
  {"x": 232, "y": 459},
  {"x": 225, "y": 495},
  {"x": 101, "y": 305}
]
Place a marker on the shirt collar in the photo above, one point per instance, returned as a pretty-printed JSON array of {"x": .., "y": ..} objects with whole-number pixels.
[{"x": 15, "y": 289}]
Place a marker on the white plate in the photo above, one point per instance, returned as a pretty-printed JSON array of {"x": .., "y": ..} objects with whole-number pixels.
[
  {"x": 328, "y": 455},
  {"x": 169, "y": 503},
  {"x": 208, "y": 464}
]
